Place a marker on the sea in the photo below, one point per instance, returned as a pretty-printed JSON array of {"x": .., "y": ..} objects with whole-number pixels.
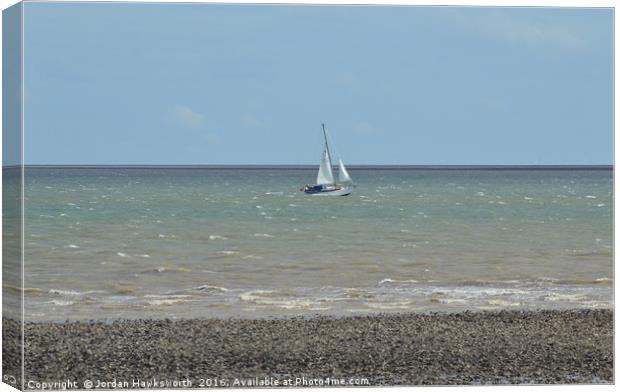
[{"x": 112, "y": 243}]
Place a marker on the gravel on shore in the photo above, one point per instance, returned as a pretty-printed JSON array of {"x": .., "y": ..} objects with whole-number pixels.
[{"x": 545, "y": 346}]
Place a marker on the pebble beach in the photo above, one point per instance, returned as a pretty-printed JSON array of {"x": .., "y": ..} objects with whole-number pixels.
[{"x": 503, "y": 347}]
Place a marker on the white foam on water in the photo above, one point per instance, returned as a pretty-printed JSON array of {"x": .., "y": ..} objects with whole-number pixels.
[
  {"x": 207, "y": 287},
  {"x": 62, "y": 303},
  {"x": 448, "y": 300},
  {"x": 503, "y": 292},
  {"x": 389, "y": 305},
  {"x": 72, "y": 293},
  {"x": 121, "y": 254},
  {"x": 263, "y": 235},
  {"x": 249, "y": 257},
  {"x": 217, "y": 237},
  {"x": 64, "y": 292},
  {"x": 547, "y": 279},
  {"x": 298, "y": 304},
  {"x": 252, "y": 295},
  {"x": 352, "y": 293},
  {"x": 389, "y": 280},
  {"x": 73, "y": 246},
  {"x": 279, "y": 300},
  {"x": 502, "y": 303},
  {"x": 557, "y": 297},
  {"x": 166, "y": 301},
  {"x": 227, "y": 252}
]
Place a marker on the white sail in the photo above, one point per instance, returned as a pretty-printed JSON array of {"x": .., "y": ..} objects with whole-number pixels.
[
  {"x": 343, "y": 174},
  {"x": 326, "y": 174}
]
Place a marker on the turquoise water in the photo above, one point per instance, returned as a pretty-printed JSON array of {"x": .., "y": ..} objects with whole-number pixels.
[{"x": 127, "y": 243}]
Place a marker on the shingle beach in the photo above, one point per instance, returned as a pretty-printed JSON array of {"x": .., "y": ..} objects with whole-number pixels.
[{"x": 554, "y": 346}]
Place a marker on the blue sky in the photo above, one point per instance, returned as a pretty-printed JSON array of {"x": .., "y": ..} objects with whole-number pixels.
[{"x": 242, "y": 84}]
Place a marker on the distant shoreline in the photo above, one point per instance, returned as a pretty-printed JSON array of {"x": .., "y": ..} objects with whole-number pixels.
[{"x": 313, "y": 167}]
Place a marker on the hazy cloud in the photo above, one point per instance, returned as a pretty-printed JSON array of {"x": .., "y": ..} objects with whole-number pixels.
[
  {"x": 183, "y": 117},
  {"x": 186, "y": 117},
  {"x": 510, "y": 28},
  {"x": 531, "y": 33}
]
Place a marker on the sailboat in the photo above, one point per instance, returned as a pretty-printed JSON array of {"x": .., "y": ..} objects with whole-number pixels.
[{"x": 326, "y": 184}]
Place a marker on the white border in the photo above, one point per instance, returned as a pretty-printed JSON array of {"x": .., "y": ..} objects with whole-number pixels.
[{"x": 484, "y": 3}]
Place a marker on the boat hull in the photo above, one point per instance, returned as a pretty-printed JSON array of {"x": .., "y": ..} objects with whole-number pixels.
[{"x": 337, "y": 191}]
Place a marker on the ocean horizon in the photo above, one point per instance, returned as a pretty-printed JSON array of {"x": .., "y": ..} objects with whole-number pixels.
[
  {"x": 218, "y": 241},
  {"x": 314, "y": 166}
]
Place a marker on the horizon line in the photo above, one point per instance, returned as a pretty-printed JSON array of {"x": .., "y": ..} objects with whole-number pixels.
[{"x": 314, "y": 166}]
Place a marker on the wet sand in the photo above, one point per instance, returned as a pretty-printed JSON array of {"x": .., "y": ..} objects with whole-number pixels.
[{"x": 568, "y": 346}]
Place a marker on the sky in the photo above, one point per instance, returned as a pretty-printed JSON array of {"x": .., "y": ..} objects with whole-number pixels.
[{"x": 248, "y": 84}]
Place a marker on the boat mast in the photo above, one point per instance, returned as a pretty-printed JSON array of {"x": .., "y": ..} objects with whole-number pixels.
[{"x": 329, "y": 155}]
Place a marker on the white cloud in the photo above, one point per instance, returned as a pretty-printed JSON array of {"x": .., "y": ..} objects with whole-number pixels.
[{"x": 186, "y": 117}]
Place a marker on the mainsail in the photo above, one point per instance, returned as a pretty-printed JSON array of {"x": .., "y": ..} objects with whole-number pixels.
[
  {"x": 343, "y": 175},
  {"x": 326, "y": 173}
]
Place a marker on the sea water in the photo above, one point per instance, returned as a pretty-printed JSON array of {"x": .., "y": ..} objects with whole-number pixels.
[{"x": 108, "y": 243}]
